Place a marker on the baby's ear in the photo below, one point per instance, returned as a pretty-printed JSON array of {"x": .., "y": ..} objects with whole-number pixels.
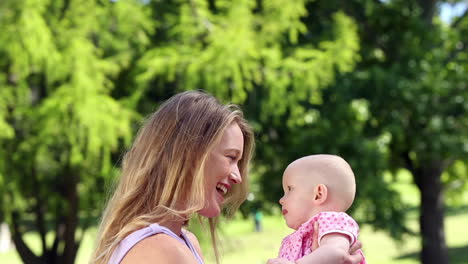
[{"x": 320, "y": 194}]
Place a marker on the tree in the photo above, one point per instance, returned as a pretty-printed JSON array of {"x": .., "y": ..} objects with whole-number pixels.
[
  {"x": 413, "y": 78},
  {"x": 404, "y": 106},
  {"x": 280, "y": 60},
  {"x": 229, "y": 49},
  {"x": 420, "y": 101},
  {"x": 260, "y": 54},
  {"x": 59, "y": 123},
  {"x": 271, "y": 57},
  {"x": 73, "y": 75},
  {"x": 332, "y": 120}
]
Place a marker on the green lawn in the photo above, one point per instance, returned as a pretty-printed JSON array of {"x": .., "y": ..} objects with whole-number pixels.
[{"x": 241, "y": 245}]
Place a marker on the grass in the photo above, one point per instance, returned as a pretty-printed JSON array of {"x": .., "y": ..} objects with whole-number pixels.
[
  {"x": 240, "y": 244},
  {"x": 12, "y": 257}
]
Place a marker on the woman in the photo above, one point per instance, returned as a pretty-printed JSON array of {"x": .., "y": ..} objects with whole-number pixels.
[{"x": 191, "y": 157}]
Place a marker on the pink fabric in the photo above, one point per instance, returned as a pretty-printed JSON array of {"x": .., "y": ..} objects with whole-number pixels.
[{"x": 299, "y": 243}]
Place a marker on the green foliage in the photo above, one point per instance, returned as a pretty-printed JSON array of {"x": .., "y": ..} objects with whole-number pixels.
[
  {"x": 373, "y": 81},
  {"x": 232, "y": 48},
  {"x": 407, "y": 95},
  {"x": 456, "y": 183},
  {"x": 413, "y": 77},
  {"x": 60, "y": 123},
  {"x": 417, "y": 93}
]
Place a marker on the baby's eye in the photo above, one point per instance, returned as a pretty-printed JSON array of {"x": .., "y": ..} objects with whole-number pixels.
[{"x": 289, "y": 188}]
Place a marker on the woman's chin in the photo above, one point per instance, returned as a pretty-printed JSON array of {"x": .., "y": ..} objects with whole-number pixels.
[{"x": 210, "y": 211}]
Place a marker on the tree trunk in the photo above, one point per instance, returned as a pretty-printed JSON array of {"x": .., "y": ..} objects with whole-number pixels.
[
  {"x": 428, "y": 10},
  {"x": 431, "y": 219},
  {"x": 71, "y": 219},
  {"x": 25, "y": 253}
]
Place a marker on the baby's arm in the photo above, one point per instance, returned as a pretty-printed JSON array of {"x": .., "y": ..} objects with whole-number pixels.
[
  {"x": 334, "y": 248},
  {"x": 330, "y": 255}
]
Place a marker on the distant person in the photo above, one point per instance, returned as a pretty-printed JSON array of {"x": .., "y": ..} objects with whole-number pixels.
[
  {"x": 318, "y": 189},
  {"x": 191, "y": 157},
  {"x": 258, "y": 216}
]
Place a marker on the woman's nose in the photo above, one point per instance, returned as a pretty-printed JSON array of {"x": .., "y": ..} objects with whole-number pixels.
[{"x": 235, "y": 176}]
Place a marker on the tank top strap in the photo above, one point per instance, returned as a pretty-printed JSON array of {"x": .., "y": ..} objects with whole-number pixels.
[
  {"x": 131, "y": 240},
  {"x": 192, "y": 248}
]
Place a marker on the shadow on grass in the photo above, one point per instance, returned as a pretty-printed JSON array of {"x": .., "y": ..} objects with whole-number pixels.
[
  {"x": 457, "y": 255},
  {"x": 456, "y": 210},
  {"x": 449, "y": 211}
]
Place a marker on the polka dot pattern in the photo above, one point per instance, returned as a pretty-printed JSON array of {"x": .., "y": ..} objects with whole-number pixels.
[{"x": 299, "y": 243}]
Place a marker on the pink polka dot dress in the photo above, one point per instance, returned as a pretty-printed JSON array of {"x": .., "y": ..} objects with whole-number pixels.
[{"x": 299, "y": 243}]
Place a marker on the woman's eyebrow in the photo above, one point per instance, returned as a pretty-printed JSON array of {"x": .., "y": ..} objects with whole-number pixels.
[
  {"x": 233, "y": 149},
  {"x": 236, "y": 150}
]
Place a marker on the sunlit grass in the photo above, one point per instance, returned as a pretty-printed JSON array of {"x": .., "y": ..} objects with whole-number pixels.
[
  {"x": 240, "y": 244},
  {"x": 250, "y": 247}
]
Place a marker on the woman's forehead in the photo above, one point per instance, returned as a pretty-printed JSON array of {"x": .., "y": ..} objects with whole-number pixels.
[{"x": 233, "y": 138}]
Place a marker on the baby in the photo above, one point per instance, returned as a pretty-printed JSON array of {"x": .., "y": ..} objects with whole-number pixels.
[{"x": 318, "y": 188}]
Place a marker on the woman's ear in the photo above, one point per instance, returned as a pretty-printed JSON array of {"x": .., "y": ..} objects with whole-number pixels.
[{"x": 320, "y": 194}]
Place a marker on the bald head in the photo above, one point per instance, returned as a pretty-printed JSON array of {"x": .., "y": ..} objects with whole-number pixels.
[{"x": 330, "y": 170}]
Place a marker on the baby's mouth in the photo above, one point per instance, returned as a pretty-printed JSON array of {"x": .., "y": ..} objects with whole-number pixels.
[{"x": 284, "y": 211}]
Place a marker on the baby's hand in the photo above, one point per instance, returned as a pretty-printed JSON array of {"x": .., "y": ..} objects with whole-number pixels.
[{"x": 279, "y": 261}]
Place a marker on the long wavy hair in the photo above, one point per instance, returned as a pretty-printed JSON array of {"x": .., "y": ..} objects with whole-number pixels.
[{"x": 162, "y": 174}]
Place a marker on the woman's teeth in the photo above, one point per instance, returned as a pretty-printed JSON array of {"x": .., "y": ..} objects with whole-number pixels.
[{"x": 221, "y": 188}]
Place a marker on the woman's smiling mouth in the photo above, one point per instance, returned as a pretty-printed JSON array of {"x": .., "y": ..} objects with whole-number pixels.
[{"x": 222, "y": 189}]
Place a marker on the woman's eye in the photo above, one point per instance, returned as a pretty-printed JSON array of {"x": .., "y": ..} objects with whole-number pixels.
[{"x": 232, "y": 158}]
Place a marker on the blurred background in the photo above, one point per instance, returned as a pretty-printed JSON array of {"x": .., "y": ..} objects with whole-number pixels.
[{"x": 382, "y": 83}]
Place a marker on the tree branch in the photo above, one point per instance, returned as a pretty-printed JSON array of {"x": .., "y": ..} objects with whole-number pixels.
[
  {"x": 453, "y": 54},
  {"x": 65, "y": 7},
  {"x": 58, "y": 233},
  {"x": 428, "y": 10},
  {"x": 26, "y": 255},
  {"x": 38, "y": 209},
  {"x": 203, "y": 21},
  {"x": 408, "y": 162},
  {"x": 447, "y": 163},
  {"x": 377, "y": 2},
  {"x": 71, "y": 216},
  {"x": 459, "y": 19}
]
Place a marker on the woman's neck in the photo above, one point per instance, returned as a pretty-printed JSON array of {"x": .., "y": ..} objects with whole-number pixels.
[{"x": 174, "y": 226}]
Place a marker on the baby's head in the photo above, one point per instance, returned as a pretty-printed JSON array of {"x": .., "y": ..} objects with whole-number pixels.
[{"x": 315, "y": 184}]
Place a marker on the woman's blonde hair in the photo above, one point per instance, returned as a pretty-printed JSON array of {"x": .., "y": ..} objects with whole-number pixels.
[{"x": 162, "y": 174}]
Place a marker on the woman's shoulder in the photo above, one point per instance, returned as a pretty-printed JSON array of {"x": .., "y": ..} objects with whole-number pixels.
[
  {"x": 190, "y": 236},
  {"x": 162, "y": 247},
  {"x": 193, "y": 239}
]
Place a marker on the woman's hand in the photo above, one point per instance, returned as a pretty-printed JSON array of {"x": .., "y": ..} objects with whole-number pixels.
[{"x": 354, "y": 256}]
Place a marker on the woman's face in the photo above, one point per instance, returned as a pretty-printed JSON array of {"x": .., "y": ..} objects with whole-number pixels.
[{"x": 221, "y": 169}]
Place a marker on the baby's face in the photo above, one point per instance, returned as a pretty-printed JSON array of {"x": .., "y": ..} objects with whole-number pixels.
[{"x": 298, "y": 200}]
